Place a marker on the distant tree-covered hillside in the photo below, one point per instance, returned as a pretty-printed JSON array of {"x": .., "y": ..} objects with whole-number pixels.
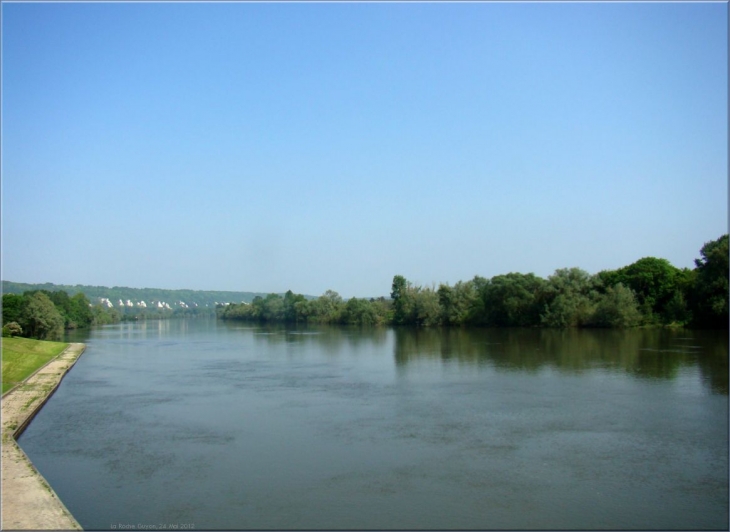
[{"x": 134, "y": 297}]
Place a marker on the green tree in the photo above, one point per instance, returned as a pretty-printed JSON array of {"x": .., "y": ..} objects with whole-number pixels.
[
  {"x": 63, "y": 305},
  {"x": 13, "y": 307},
  {"x": 478, "y": 313},
  {"x": 41, "y": 319},
  {"x": 710, "y": 299},
  {"x": 290, "y": 309},
  {"x": 257, "y": 308},
  {"x": 382, "y": 310},
  {"x": 328, "y": 307},
  {"x": 359, "y": 312},
  {"x": 426, "y": 310},
  {"x": 654, "y": 281},
  {"x": 512, "y": 300},
  {"x": 80, "y": 310},
  {"x": 402, "y": 304},
  {"x": 617, "y": 307},
  {"x": 241, "y": 311},
  {"x": 273, "y": 308},
  {"x": 569, "y": 296},
  {"x": 102, "y": 315},
  {"x": 677, "y": 310},
  {"x": 414, "y": 305},
  {"x": 75, "y": 311},
  {"x": 12, "y": 329},
  {"x": 303, "y": 310},
  {"x": 456, "y": 302}
]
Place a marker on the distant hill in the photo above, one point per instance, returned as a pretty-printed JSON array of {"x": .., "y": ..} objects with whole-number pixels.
[{"x": 134, "y": 296}]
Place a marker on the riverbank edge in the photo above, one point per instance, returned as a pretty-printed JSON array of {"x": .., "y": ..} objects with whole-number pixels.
[
  {"x": 28, "y": 501},
  {"x": 19, "y": 384}
]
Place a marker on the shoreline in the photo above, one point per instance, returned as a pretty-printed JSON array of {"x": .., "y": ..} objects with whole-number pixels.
[{"x": 28, "y": 501}]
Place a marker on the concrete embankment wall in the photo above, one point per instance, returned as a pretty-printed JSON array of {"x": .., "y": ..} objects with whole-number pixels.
[{"x": 28, "y": 501}]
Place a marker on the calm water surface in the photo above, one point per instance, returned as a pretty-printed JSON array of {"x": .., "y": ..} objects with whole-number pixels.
[{"x": 233, "y": 426}]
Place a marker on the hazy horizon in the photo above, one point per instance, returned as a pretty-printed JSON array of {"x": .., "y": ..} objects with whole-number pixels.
[{"x": 267, "y": 147}]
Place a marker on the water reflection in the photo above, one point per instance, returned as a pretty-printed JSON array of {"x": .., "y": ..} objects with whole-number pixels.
[
  {"x": 330, "y": 339},
  {"x": 645, "y": 353},
  {"x": 144, "y": 330}
]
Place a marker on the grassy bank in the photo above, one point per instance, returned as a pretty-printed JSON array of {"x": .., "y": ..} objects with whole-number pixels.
[{"x": 22, "y": 356}]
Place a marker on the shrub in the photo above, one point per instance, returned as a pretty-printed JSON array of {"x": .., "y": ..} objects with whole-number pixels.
[{"x": 12, "y": 329}]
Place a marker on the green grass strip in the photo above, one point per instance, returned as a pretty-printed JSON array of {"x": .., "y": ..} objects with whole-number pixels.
[{"x": 22, "y": 356}]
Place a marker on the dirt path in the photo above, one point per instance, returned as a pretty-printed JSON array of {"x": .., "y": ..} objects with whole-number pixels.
[{"x": 28, "y": 502}]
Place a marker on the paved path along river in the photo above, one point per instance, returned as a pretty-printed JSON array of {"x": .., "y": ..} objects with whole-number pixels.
[{"x": 28, "y": 502}]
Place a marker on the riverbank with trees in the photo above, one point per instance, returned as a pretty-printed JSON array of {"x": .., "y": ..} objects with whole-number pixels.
[
  {"x": 45, "y": 315},
  {"x": 649, "y": 292},
  {"x": 112, "y": 305}
]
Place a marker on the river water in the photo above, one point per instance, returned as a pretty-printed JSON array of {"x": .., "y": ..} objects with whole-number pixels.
[{"x": 211, "y": 425}]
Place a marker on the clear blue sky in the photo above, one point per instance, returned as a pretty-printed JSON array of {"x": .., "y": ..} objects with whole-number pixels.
[{"x": 275, "y": 146}]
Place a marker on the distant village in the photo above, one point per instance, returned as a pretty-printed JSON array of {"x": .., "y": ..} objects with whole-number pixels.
[
  {"x": 143, "y": 301},
  {"x": 154, "y": 304}
]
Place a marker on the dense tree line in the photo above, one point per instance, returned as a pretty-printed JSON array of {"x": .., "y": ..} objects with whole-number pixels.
[
  {"x": 650, "y": 291},
  {"x": 296, "y": 308},
  {"x": 44, "y": 315}
]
